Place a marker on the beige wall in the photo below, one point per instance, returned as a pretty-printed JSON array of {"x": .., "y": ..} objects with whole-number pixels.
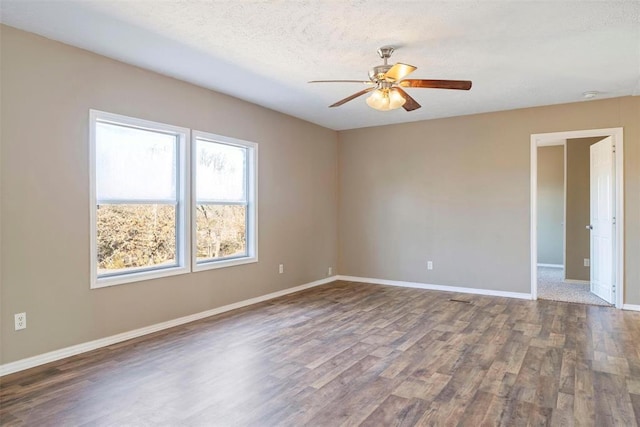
[
  {"x": 456, "y": 191},
  {"x": 551, "y": 204},
  {"x": 578, "y": 189},
  {"x": 47, "y": 91}
]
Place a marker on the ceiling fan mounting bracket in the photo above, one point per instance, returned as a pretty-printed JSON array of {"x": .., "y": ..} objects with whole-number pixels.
[{"x": 385, "y": 52}]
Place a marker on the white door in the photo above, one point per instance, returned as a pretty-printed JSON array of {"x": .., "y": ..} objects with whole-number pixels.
[{"x": 602, "y": 221}]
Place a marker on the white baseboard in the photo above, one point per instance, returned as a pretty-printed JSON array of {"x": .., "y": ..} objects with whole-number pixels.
[
  {"x": 41, "y": 359},
  {"x": 632, "y": 307},
  {"x": 579, "y": 282},
  {"x": 436, "y": 287},
  {"x": 551, "y": 265}
]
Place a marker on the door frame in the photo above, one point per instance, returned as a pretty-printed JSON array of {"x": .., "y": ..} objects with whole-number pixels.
[{"x": 542, "y": 139}]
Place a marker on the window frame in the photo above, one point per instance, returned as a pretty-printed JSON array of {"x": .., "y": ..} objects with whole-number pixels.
[
  {"x": 251, "y": 182},
  {"x": 182, "y": 206}
]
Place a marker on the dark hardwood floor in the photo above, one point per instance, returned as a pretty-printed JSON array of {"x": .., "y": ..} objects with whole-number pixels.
[{"x": 350, "y": 354}]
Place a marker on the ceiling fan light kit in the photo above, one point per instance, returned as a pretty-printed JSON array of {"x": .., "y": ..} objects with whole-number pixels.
[
  {"x": 387, "y": 81},
  {"x": 386, "y": 99}
]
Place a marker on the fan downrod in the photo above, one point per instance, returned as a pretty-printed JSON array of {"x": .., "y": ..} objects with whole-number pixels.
[
  {"x": 377, "y": 73},
  {"x": 385, "y": 53}
]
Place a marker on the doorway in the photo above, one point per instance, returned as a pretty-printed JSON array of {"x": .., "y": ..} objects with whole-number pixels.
[{"x": 559, "y": 267}]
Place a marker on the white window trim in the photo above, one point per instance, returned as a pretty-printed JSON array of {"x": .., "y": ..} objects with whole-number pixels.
[
  {"x": 183, "y": 214},
  {"x": 252, "y": 203}
]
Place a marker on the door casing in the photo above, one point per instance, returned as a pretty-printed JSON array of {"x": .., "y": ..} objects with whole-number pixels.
[{"x": 541, "y": 139}]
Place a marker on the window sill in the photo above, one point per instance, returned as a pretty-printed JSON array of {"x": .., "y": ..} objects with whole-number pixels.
[
  {"x": 103, "y": 282},
  {"x": 210, "y": 265}
]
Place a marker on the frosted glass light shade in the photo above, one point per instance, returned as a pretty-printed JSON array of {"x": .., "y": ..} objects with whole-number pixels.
[{"x": 385, "y": 99}]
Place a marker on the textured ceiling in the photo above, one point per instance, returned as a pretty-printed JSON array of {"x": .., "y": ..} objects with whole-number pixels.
[{"x": 518, "y": 53}]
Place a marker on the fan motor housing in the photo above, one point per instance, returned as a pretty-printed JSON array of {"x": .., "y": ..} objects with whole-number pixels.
[{"x": 377, "y": 73}]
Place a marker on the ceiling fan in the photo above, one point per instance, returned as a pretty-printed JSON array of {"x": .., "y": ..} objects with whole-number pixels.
[{"x": 386, "y": 83}]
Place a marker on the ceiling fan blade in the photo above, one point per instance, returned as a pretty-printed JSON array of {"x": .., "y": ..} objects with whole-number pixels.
[
  {"x": 410, "y": 104},
  {"x": 399, "y": 71},
  {"x": 437, "y": 84},
  {"x": 366, "y": 82},
  {"x": 349, "y": 98}
]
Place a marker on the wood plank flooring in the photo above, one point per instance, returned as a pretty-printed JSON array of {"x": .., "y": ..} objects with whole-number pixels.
[{"x": 348, "y": 354}]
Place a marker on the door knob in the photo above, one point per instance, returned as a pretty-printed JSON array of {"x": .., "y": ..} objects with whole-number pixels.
[{"x": 589, "y": 227}]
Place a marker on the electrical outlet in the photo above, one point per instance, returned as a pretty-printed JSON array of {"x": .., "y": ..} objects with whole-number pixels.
[
  {"x": 429, "y": 265},
  {"x": 20, "y": 320},
  {"x": 281, "y": 269},
  {"x": 587, "y": 262},
  {"x": 330, "y": 271}
]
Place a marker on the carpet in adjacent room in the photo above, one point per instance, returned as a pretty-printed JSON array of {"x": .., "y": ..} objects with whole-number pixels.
[{"x": 552, "y": 286}]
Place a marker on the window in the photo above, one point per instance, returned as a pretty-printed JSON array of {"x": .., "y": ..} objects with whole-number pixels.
[
  {"x": 139, "y": 200},
  {"x": 225, "y": 230},
  {"x": 149, "y": 214}
]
